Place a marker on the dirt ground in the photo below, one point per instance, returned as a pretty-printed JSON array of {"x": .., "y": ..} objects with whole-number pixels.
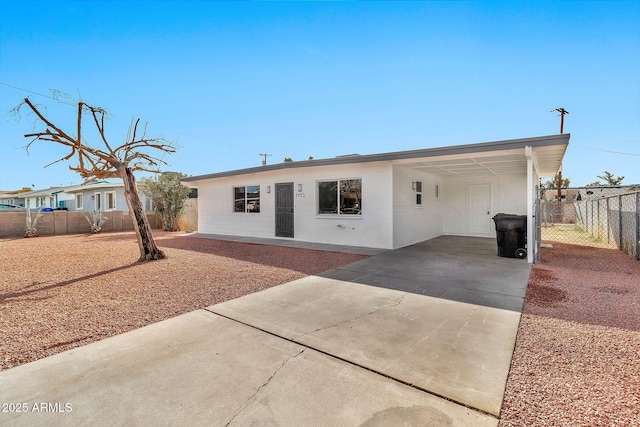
[{"x": 62, "y": 292}]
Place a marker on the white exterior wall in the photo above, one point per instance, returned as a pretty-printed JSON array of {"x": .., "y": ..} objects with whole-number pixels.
[
  {"x": 88, "y": 205},
  {"x": 413, "y": 223},
  {"x": 371, "y": 229},
  {"x": 508, "y": 195},
  {"x": 32, "y": 202}
]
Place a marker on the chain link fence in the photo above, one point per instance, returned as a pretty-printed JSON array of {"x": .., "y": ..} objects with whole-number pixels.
[{"x": 593, "y": 216}]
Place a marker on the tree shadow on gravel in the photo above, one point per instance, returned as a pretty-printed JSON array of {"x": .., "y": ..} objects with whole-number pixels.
[
  {"x": 33, "y": 289},
  {"x": 586, "y": 285},
  {"x": 307, "y": 261}
]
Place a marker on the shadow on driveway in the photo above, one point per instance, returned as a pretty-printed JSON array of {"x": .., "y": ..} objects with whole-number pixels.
[{"x": 463, "y": 269}]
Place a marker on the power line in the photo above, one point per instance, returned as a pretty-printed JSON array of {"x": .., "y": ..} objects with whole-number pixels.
[
  {"x": 33, "y": 92},
  {"x": 610, "y": 151},
  {"x": 61, "y": 101}
]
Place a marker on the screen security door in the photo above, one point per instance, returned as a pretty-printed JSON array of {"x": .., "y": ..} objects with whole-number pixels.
[{"x": 284, "y": 209}]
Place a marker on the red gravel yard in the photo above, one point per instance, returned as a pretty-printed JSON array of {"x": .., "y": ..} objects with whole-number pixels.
[
  {"x": 577, "y": 356},
  {"x": 62, "y": 292}
]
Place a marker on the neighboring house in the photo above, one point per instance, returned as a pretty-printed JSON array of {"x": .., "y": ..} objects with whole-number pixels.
[
  {"x": 11, "y": 197},
  {"x": 105, "y": 196},
  {"x": 566, "y": 212},
  {"x": 387, "y": 200},
  {"x": 572, "y": 194},
  {"x": 102, "y": 195},
  {"x": 54, "y": 197}
]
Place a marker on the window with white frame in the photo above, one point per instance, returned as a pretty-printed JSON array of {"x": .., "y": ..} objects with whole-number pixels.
[
  {"x": 418, "y": 188},
  {"x": 246, "y": 199},
  {"x": 110, "y": 200},
  {"x": 97, "y": 201},
  {"x": 79, "y": 201},
  {"x": 340, "y": 197}
]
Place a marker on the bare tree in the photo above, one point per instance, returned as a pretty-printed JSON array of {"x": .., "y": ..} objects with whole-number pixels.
[{"x": 137, "y": 153}]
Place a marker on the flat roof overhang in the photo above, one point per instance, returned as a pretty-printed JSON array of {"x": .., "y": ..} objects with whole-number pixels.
[{"x": 489, "y": 158}]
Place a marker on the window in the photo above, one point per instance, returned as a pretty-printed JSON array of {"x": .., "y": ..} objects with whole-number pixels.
[
  {"x": 419, "y": 193},
  {"x": 341, "y": 197},
  {"x": 97, "y": 201},
  {"x": 148, "y": 203},
  {"x": 247, "y": 199},
  {"x": 110, "y": 200},
  {"x": 79, "y": 200}
]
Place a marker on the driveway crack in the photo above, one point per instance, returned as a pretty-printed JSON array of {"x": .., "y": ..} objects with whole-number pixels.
[
  {"x": 246, "y": 403},
  {"x": 395, "y": 304}
]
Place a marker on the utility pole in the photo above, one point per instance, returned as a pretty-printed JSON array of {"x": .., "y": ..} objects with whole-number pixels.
[
  {"x": 264, "y": 160},
  {"x": 562, "y": 112}
]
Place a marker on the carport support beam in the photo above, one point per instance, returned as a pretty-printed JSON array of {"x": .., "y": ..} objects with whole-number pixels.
[{"x": 528, "y": 152}]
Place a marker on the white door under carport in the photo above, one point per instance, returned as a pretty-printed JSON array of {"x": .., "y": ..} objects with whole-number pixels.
[{"x": 479, "y": 209}]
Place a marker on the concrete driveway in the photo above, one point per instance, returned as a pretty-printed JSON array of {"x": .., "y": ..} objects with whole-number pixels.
[{"x": 417, "y": 336}]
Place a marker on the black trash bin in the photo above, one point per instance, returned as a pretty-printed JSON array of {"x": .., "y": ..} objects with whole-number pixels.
[{"x": 511, "y": 233}]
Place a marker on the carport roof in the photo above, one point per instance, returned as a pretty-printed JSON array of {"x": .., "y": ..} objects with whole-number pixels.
[{"x": 488, "y": 158}]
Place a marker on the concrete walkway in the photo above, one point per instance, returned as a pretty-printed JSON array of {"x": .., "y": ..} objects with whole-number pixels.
[{"x": 388, "y": 340}]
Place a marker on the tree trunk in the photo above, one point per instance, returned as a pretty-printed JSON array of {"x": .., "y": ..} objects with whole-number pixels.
[{"x": 148, "y": 249}]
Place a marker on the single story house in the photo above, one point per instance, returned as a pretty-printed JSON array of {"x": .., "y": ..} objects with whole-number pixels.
[
  {"x": 104, "y": 196},
  {"x": 53, "y": 197},
  {"x": 11, "y": 196},
  {"x": 101, "y": 195},
  {"x": 386, "y": 200}
]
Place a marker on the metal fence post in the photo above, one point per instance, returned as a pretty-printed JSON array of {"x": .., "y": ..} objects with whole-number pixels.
[
  {"x": 620, "y": 220},
  {"x": 608, "y": 221},
  {"x": 638, "y": 226},
  {"x": 598, "y": 221},
  {"x": 586, "y": 216}
]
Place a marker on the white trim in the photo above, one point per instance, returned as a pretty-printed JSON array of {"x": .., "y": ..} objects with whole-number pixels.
[
  {"x": 80, "y": 198},
  {"x": 106, "y": 200}
]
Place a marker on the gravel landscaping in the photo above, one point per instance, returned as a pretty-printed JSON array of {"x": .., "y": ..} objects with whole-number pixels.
[
  {"x": 576, "y": 360},
  {"x": 62, "y": 292},
  {"x": 577, "y": 356}
]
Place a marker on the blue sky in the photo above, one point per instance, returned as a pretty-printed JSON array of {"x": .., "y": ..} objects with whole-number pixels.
[{"x": 228, "y": 81}]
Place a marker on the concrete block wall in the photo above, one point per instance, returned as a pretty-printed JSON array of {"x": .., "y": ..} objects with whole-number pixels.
[{"x": 12, "y": 224}]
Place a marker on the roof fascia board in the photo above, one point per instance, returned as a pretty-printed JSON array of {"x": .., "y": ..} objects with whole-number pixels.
[{"x": 398, "y": 155}]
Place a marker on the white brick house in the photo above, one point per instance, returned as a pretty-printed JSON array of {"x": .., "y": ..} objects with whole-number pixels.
[{"x": 387, "y": 200}]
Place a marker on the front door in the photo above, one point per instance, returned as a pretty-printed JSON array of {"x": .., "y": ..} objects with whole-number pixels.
[
  {"x": 479, "y": 209},
  {"x": 284, "y": 209}
]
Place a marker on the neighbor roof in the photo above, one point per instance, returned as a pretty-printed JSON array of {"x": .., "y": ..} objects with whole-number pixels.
[{"x": 489, "y": 158}]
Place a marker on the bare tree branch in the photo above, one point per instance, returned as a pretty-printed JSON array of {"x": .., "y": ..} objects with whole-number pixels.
[{"x": 136, "y": 154}]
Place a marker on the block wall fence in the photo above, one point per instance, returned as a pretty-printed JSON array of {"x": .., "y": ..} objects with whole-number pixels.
[{"x": 12, "y": 224}]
